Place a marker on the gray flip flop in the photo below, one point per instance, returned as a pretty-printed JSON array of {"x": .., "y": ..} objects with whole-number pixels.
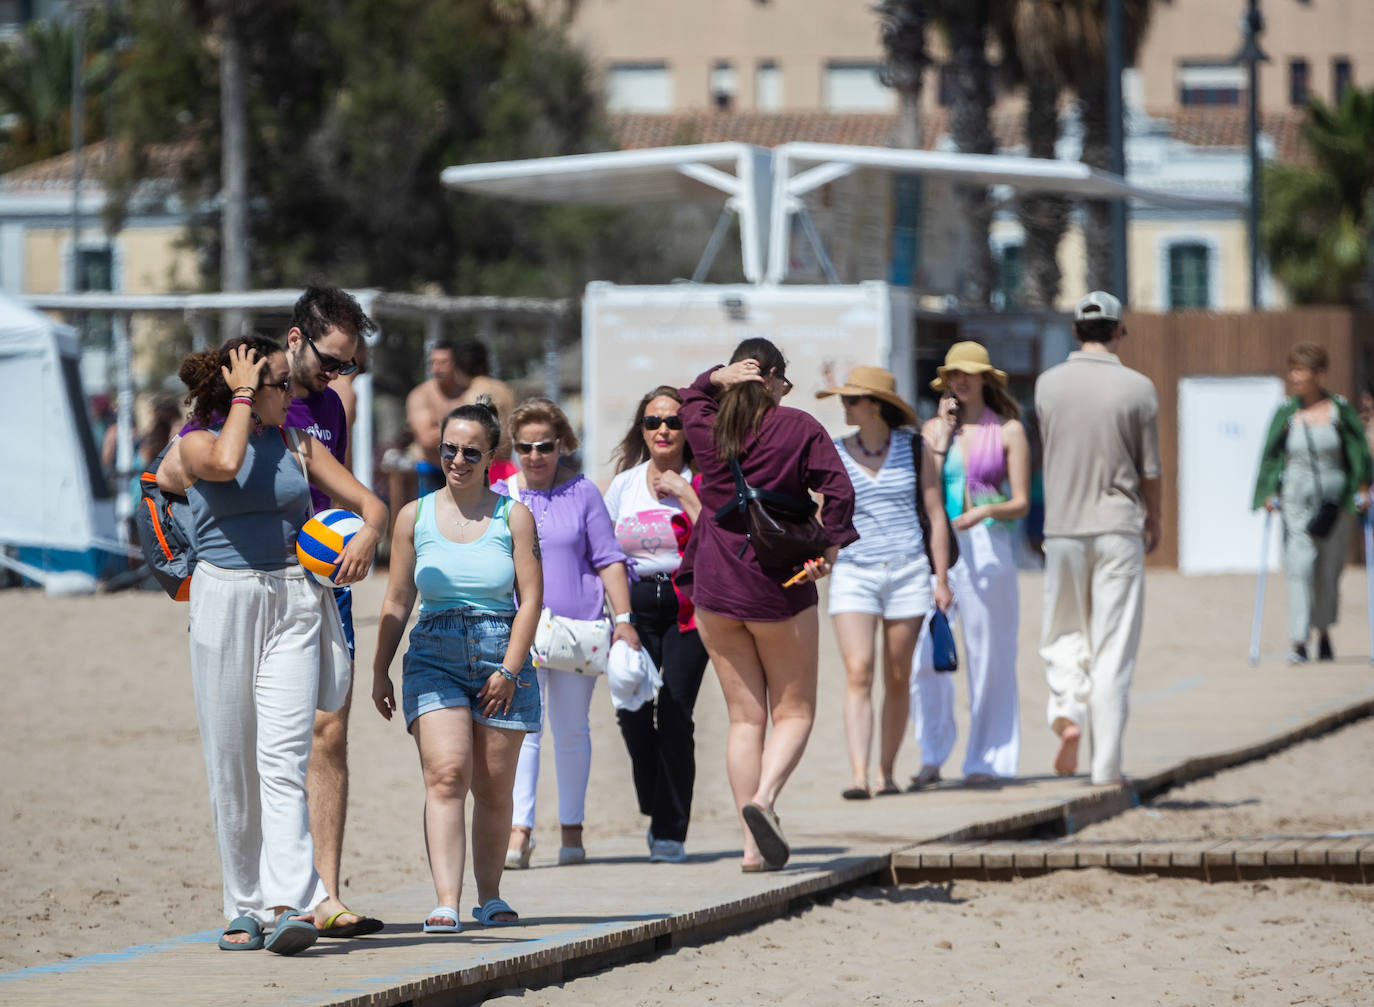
[
  {"x": 242, "y": 924},
  {"x": 291, "y": 937},
  {"x": 767, "y": 832}
]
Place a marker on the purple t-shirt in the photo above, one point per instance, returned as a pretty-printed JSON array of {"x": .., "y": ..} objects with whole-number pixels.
[
  {"x": 322, "y": 416},
  {"x": 576, "y": 538}
]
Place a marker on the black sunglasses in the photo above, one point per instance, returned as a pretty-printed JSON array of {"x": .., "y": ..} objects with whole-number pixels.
[
  {"x": 538, "y": 447},
  {"x": 673, "y": 422},
  {"x": 284, "y": 385},
  {"x": 471, "y": 455},
  {"x": 330, "y": 365},
  {"x": 786, "y": 385},
  {"x": 851, "y": 400}
]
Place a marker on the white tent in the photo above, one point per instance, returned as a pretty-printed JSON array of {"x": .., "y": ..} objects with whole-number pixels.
[{"x": 55, "y": 499}]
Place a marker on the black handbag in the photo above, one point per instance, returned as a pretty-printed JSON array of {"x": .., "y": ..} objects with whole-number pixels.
[
  {"x": 1328, "y": 511},
  {"x": 782, "y": 529}
]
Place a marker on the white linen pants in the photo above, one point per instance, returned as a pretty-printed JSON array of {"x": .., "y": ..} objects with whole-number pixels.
[
  {"x": 567, "y": 700},
  {"x": 1094, "y": 601},
  {"x": 987, "y": 609},
  {"x": 255, "y": 667}
]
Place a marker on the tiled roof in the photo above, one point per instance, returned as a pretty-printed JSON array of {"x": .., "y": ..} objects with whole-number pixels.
[
  {"x": 1199, "y": 127},
  {"x": 56, "y": 172}
]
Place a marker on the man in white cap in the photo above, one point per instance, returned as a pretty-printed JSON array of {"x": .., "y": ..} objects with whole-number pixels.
[{"x": 1098, "y": 422}]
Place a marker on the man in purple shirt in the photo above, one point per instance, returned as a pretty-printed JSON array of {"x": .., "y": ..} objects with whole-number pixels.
[{"x": 327, "y": 324}]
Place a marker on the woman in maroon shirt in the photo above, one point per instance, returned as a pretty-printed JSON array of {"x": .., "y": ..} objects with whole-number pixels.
[{"x": 762, "y": 637}]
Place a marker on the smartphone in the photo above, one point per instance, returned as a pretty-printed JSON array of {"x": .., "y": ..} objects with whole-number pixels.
[{"x": 954, "y": 405}]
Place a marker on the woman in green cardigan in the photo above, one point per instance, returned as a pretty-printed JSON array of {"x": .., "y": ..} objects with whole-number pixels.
[{"x": 1315, "y": 470}]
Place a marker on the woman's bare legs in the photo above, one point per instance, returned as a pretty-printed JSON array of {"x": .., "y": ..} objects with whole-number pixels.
[
  {"x": 781, "y": 684},
  {"x": 854, "y": 633},
  {"x": 496, "y": 751},
  {"x": 899, "y": 646},
  {"x": 444, "y": 738}
]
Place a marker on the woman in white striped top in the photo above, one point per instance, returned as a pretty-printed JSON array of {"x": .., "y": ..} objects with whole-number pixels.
[{"x": 884, "y": 578}]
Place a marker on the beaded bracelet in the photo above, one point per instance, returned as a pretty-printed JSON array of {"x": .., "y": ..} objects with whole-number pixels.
[{"x": 508, "y": 676}]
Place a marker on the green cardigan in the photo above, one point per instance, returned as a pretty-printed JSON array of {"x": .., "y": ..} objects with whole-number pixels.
[{"x": 1359, "y": 467}]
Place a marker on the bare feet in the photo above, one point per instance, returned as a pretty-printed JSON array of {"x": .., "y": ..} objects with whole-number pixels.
[{"x": 1066, "y": 759}]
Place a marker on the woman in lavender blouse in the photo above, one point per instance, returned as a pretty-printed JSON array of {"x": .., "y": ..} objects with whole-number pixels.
[
  {"x": 583, "y": 566},
  {"x": 763, "y": 638}
]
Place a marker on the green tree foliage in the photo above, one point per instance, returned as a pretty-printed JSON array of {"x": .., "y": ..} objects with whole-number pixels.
[
  {"x": 36, "y": 88},
  {"x": 353, "y": 110},
  {"x": 1317, "y": 217}
]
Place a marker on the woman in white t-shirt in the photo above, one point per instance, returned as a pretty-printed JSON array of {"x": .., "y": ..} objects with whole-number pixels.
[{"x": 653, "y": 506}]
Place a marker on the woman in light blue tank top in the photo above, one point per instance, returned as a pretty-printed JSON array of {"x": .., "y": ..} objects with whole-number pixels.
[
  {"x": 467, "y": 684},
  {"x": 267, "y": 645}
]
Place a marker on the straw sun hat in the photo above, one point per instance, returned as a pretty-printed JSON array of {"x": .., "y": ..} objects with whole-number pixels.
[
  {"x": 971, "y": 358},
  {"x": 876, "y": 383}
]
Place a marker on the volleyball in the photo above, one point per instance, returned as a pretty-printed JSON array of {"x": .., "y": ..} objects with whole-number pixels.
[{"x": 322, "y": 540}]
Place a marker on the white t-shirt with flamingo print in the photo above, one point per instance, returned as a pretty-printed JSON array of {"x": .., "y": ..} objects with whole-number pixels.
[{"x": 643, "y": 523}]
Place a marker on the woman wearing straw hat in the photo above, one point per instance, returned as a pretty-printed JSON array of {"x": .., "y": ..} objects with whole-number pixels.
[
  {"x": 985, "y": 472},
  {"x": 884, "y": 578}
]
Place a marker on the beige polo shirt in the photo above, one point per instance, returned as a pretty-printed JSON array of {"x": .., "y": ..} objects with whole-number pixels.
[{"x": 1099, "y": 427}]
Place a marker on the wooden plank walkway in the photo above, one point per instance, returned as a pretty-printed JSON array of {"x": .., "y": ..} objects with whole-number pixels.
[{"x": 1327, "y": 857}]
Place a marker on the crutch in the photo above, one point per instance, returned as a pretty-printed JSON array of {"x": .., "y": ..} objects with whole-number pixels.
[
  {"x": 1259, "y": 586},
  {"x": 1368, "y": 523}
]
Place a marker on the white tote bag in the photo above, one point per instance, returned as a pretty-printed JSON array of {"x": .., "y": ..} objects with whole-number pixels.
[{"x": 563, "y": 644}]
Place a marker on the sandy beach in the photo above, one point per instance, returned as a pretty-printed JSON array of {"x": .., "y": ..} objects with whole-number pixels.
[{"x": 108, "y": 840}]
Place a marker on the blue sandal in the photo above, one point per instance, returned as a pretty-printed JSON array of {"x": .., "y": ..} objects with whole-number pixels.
[
  {"x": 443, "y": 913},
  {"x": 291, "y": 937},
  {"x": 485, "y": 913},
  {"x": 246, "y": 925}
]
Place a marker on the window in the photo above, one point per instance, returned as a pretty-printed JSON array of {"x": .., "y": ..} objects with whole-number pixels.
[
  {"x": 95, "y": 271},
  {"x": 1210, "y": 83},
  {"x": 855, "y": 87},
  {"x": 639, "y": 87},
  {"x": 1341, "y": 79},
  {"x": 724, "y": 85},
  {"x": 768, "y": 86},
  {"x": 1189, "y": 276},
  {"x": 1298, "y": 84},
  {"x": 1009, "y": 270}
]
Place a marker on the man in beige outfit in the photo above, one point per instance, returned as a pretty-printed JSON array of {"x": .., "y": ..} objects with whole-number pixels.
[{"x": 1098, "y": 421}]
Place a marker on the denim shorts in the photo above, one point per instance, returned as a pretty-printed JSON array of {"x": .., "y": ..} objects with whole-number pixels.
[{"x": 452, "y": 654}]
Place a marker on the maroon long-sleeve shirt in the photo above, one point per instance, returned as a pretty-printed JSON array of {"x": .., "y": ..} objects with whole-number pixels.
[{"x": 791, "y": 453}]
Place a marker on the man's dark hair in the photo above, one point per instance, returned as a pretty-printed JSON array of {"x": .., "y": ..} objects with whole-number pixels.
[
  {"x": 1095, "y": 330},
  {"x": 323, "y": 307},
  {"x": 469, "y": 356}
]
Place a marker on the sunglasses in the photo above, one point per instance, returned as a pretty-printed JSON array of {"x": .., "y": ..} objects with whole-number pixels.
[
  {"x": 284, "y": 385},
  {"x": 328, "y": 364},
  {"x": 470, "y": 454},
  {"x": 786, "y": 385},
  {"x": 537, "y": 448},
  {"x": 851, "y": 400},
  {"x": 673, "y": 422}
]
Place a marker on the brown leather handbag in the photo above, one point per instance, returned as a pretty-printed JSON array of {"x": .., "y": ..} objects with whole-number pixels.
[{"x": 782, "y": 529}]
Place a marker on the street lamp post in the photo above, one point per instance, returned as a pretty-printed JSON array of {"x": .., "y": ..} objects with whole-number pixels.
[
  {"x": 1251, "y": 55},
  {"x": 1116, "y": 143}
]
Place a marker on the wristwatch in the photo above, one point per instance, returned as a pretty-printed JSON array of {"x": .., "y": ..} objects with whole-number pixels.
[{"x": 622, "y": 617}]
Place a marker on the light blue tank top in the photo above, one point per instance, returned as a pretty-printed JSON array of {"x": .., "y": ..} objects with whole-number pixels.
[
  {"x": 479, "y": 574},
  {"x": 250, "y": 522}
]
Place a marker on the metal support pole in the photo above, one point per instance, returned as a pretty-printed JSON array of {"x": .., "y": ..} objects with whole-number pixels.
[
  {"x": 78, "y": 134},
  {"x": 551, "y": 376},
  {"x": 1254, "y": 24},
  {"x": 199, "y": 324},
  {"x": 708, "y": 255},
  {"x": 434, "y": 333},
  {"x": 124, "y": 436},
  {"x": 363, "y": 432},
  {"x": 1116, "y": 141},
  {"x": 814, "y": 237}
]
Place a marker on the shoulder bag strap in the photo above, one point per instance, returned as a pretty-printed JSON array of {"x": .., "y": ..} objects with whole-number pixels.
[
  {"x": 1312, "y": 454},
  {"x": 292, "y": 437}
]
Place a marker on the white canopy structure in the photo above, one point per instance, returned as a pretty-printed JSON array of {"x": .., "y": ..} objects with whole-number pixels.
[
  {"x": 767, "y": 186},
  {"x": 56, "y": 496}
]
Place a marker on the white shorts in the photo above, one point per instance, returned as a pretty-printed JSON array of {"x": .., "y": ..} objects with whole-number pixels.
[{"x": 899, "y": 589}]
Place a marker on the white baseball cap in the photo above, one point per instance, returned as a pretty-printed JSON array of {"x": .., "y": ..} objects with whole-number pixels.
[{"x": 1098, "y": 304}]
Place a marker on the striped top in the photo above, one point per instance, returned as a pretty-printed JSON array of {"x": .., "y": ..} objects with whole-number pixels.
[{"x": 884, "y": 505}]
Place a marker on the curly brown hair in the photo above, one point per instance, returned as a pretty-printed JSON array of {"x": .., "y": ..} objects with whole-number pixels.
[{"x": 207, "y": 394}]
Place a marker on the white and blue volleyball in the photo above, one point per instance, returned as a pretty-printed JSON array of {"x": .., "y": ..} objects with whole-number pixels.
[{"x": 322, "y": 539}]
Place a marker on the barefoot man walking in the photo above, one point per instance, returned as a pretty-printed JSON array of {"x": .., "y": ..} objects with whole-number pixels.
[{"x": 1101, "y": 476}]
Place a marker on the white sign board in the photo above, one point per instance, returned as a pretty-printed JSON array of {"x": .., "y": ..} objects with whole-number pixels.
[
  {"x": 1222, "y": 423},
  {"x": 636, "y": 338}
]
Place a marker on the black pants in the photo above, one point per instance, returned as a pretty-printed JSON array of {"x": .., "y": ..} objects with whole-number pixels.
[{"x": 659, "y": 735}]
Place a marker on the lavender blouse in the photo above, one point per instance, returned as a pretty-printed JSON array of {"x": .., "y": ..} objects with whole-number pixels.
[{"x": 576, "y": 538}]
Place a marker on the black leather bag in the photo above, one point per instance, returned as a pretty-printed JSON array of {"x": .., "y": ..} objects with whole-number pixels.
[
  {"x": 782, "y": 529},
  {"x": 1328, "y": 511}
]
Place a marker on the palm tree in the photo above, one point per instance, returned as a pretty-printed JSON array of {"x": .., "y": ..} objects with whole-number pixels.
[
  {"x": 1086, "y": 23},
  {"x": 1318, "y": 218},
  {"x": 905, "y": 59},
  {"x": 966, "y": 24}
]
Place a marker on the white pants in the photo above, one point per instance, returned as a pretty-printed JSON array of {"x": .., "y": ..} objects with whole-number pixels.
[
  {"x": 255, "y": 668},
  {"x": 984, "y": 586},
  {"x": 567, "y": 700},
  {"x": 1094, "y": 601}
]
